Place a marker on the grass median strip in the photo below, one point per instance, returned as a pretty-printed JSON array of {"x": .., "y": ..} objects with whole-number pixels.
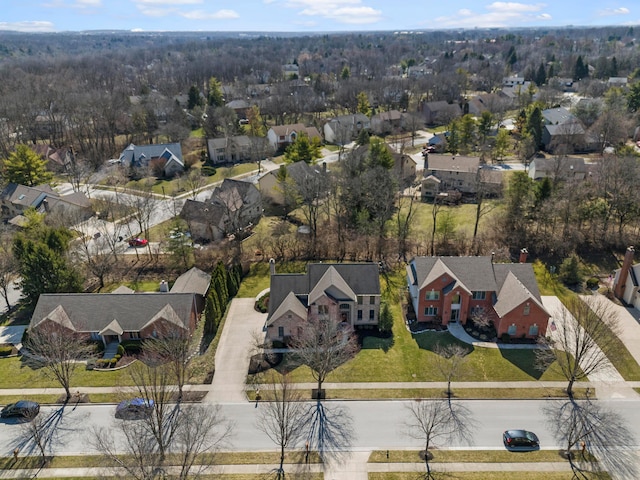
[
  {"x": 221, "y": 458},
  {"x": 467, "y": 456},
  {"x": 485, "y": 476}
]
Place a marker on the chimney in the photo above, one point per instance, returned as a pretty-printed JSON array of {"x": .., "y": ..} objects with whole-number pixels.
[
  {"x": 523, "y": 255},
  {"x": 272, "y": 266},
  {"x": 618, "y": 289},
  {"x": 164, "y": 286}
]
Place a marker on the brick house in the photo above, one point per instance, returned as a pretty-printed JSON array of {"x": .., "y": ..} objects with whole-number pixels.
[
  {"x": 348, "y": 291},
  {"x": 454, "y": 289},
  {"x": 113, "y": 317}
]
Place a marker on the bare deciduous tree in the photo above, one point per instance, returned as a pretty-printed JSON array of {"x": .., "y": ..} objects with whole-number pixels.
[
  {"x": 175, "y": 351},
  {"x": 57, "y": 351},
  {"x": 8, "y": 270},
  {"x": 283, "y": 416},
  {"x": 323, "y": 344},
  {"x": 450, "y": 361},
  {"x": 200, "y": 431},
  {"x": 584, "y": 332},
  {"x": 433, "y": 420},
  {"x": 595, "y": 440}
]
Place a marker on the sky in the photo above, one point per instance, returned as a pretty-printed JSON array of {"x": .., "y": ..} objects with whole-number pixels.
[{"x": 307, "y": 15}]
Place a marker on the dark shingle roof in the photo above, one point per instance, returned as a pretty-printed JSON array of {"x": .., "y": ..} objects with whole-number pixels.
[
  {"x": 91, "y": 312},
  {"x": 362, "y": 279},
  {"x": 476, "y": 273},
  {"x": 192, "y": 281}
]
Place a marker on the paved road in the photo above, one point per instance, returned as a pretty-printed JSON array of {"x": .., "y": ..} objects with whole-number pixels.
[{"x": 375, "y": 424}]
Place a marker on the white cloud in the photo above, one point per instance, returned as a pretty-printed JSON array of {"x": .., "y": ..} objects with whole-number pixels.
[
  {"x": 512, "y": 7},
  {"x": 88, "y": 3},
  {"x": 499, "y": 14},
  {"x": 609, "y": 12},
  {"x": 202, "y": 15},
  {"x": 78, "y": 4},
  {"x": 35, "y": 26},
  {"x": 168, "y": 2},
  {"x": 343, "y": 11}
]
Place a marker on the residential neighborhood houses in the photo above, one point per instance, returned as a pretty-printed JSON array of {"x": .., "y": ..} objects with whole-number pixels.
[{"x": 449, "y": 221}]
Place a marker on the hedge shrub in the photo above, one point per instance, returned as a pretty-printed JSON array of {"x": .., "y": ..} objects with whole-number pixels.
[{"x": 5, "y": 350}]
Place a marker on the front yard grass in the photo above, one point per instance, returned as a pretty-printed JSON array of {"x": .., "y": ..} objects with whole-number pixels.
[
  {"x": 410, "y": 358},
  {"x": 16, "y": 374},
  {"x": 486, "y": 476}
]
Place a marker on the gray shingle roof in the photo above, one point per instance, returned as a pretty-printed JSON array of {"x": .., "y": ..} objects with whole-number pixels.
[
  {"x": 92, "y": 312},
  {"x": 475, "y": 273},
  {"x": 360, "y": 278},
  {"x": 134, "y": 152},
  {"x": 192, "y": 281}
]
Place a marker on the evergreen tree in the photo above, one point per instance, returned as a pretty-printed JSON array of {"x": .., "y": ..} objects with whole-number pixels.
[
  {"x": 569, "y": 271},
  {"x": 193, "y": 98},
  {"x": 41, "y": 253},
  {"x": 379, "y": 154},
  {"x": 303, "y": 149},
  {"x": 345, "y": 74},
  {"x": 385, "y": 322},
  {"x": 363, "y": 137},
  {"x": 581, "y": 70},
  {"x": 534, "y": 125},
  {"x": 364, "y": 107},
  {"x": 214, "y": 97},
  {"x": 453, "y": 140},
  {"x": 541, "y": 75},
  {"x": 26, "y": 167}
]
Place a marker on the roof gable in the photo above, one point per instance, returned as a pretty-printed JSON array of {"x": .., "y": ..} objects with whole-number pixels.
[{"x": 333, "y": 285}]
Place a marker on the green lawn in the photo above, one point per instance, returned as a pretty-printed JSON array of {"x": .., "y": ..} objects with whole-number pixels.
[
  {"x": 484, "y": 476},
  {"x": 466, "y": 456},
  {"x": 16, "y": 374},
  {"x": 406, "y": 357}
]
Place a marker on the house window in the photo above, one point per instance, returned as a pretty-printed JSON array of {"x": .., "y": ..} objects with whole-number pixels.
[
  {"x": 372, "y": 314},
  {"x": 432, "y": 295},
  {"x": 344, "y": 306},
  {"x": 479, "y": 295},
  {"x": 134, "y": 335},
  {"x": 323, "y": 309},
  {"x": 372, "y": 300},
  {"x": 281, "y": 332},
  {"x": 359, "y": 314},
  {"x": 527, "y": 309},
  {"x": 154, "y": 334},
  {"x": 455, "y": 299},
  {"x": 360, "y": 299},
  {"x": 512, "y": 329},
  {"x": 431, "y": 311},
  {"x": 95, "y": 336},
  {"x": 533, "y": 330},
  {"x": 477, "y": 311}
]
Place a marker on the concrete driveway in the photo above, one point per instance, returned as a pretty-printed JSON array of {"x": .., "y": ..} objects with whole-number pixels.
[{"x": 234, "y": 350}]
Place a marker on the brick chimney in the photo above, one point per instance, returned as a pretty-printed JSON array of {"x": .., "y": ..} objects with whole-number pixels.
[
  {"x": 523, "y": 255},
  {"x": 618, "y": 289}
]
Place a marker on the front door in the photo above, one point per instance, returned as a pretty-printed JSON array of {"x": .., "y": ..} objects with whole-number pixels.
[{"x": 455, "y": 315}]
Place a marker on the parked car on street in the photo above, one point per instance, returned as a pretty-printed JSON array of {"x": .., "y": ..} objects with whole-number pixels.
[
  {"x": 22, "y": 409},
  {"x": 520, "y": 441},
  {"x": 134, "y": 409},
  {"x": 138, "y": 242}
]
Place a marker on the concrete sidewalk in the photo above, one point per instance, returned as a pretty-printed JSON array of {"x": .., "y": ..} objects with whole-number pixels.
[{"x": 354, "y": 468}]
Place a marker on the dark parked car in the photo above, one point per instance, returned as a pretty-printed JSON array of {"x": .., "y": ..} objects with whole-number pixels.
[
  {"x": 134, "y": 409},
  {"x": 22, "y": 409},
  {"x": 520, "y": 441}
]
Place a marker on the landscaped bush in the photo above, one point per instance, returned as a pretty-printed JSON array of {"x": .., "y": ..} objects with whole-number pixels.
[
  {"x": 106, "y": 363},
  {"x": 208, "y": 170},
  {"x": 131, "y": 347},
  {"x": 6, "y": 350},
  {"x": 262, "y": 304},
  {"x": 261, "y": 362},
  {"x": 593, "y": 283},
  {"x": 120, "y": 350},
  {"x": 505, "y": 338}
]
